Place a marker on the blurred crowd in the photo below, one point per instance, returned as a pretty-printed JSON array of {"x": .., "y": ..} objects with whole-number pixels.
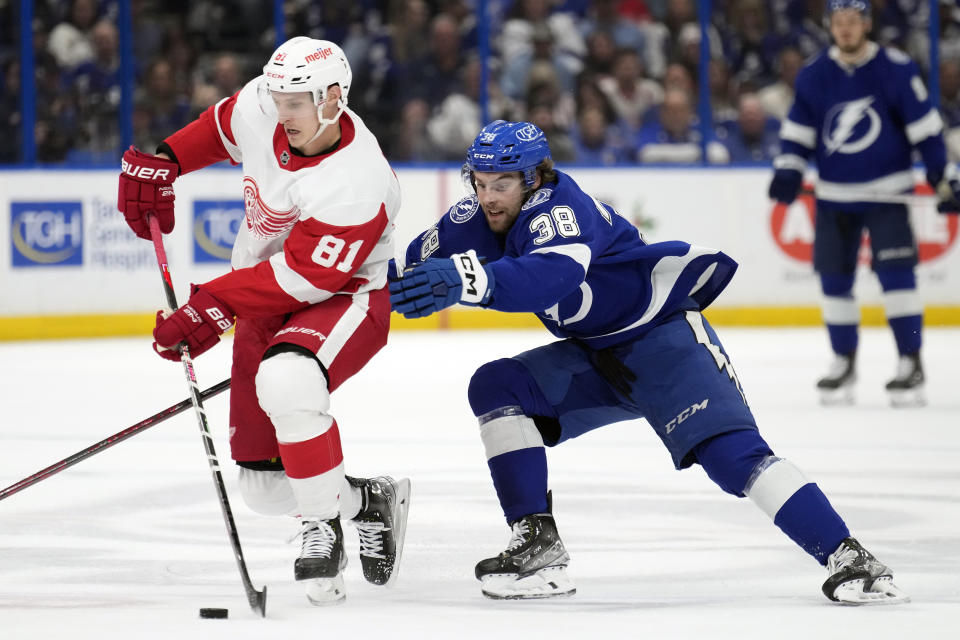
[{"x": 609, "y": 81}]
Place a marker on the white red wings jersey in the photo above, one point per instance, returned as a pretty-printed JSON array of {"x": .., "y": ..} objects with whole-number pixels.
[{"x": 315, "y": 226}]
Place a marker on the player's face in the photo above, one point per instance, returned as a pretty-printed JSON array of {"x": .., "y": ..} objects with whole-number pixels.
[
  {"x": 849, "y": 29},
  {"x": 501, "y": 196},
  {"x": 298, "y": 115}
]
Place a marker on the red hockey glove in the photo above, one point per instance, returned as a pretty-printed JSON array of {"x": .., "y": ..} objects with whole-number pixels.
[
  {"x": 146, "y": 186},
  {"x": 198, "y": 324}
]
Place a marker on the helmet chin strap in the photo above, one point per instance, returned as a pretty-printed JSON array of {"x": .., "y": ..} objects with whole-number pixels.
[{"x": 326, "y": 122}]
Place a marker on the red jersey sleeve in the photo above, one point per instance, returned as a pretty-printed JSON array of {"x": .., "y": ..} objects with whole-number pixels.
[
  {"x": 199, "y": 144},
  {"x": 318, "y": 260}
]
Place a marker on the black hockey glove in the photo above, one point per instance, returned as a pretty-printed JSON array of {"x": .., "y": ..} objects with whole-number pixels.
[
  {"x": 785, "y": 185},
  {"x": 948, "y": 191}
]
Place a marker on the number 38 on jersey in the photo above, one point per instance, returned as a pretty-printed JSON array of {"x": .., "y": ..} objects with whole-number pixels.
[{"x": 560, "y": 221}]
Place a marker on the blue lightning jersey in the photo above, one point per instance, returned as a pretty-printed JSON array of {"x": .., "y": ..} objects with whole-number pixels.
[
  {"x": 860, "y": 124},
  {"x": 579, "y": 266}
]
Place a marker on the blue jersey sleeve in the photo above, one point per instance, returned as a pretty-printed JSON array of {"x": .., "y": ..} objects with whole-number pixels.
[
  {"x": 922, "y": 122},
  {"x": 798, "y": 132}
]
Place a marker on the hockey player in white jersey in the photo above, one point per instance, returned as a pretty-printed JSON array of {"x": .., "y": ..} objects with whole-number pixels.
[
  {"x": 860, "y": 111},
  {"x": 307, "y": 292}
]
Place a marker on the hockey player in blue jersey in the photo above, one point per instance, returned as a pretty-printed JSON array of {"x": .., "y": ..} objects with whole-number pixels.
[
  {"x": 859, "y": 111},
  {"x": 633, "y": 344}
]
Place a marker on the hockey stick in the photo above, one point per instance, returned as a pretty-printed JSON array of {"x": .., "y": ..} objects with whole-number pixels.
[
  {"x": 893, "y": 198},
  {"x": 106, "y": 443},
  {"x": 257, "y": 599}
]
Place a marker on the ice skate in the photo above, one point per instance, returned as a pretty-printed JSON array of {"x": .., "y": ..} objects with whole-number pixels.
[
  {"x": 906, "y": 388},
  {"x": 534, "y": 564},
  {"x": 321, "y": 561},
  {"x": 381, "y": 523},
  {"x": 856, "y": 577},
  {"x": 836, "y": 388}
]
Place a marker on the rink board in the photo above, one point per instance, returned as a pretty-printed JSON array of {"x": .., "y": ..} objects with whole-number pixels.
[{"x": 69, "y": 267}]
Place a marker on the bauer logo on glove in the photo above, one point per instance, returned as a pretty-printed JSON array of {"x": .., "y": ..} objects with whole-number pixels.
[{"x": 197, "y": 325}]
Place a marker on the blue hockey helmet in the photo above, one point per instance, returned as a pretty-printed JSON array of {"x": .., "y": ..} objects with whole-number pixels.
[
  {"x": 508, "y": 146},
  {"x": 860, "y": 6}
]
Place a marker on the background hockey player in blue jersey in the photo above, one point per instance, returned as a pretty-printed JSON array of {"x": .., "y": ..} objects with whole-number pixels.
[
  {"x": 633, "y": 344},
  {"x": 860, "y": 110}
]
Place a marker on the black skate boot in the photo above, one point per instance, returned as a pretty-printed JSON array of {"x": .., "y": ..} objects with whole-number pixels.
[
  {"x": 382, "y": 524},
  {"x": 321, "y": 560},
  {"x": 836, "y": 388},
  {"x": 856, "y": 577},
  {"x": 906, "y": 389},
  {"x": 533, "y": 565}
]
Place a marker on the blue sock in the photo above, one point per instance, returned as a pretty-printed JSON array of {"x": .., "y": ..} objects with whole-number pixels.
[
  {"x": 520, "y": 478},
  {"x": 843, "y": 338},
  {"x": 809, "y": 520},
  {"x": 908, "y": 332}
]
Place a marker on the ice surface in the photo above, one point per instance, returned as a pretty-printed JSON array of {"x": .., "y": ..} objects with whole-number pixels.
[{"x": 130, "y": 543}]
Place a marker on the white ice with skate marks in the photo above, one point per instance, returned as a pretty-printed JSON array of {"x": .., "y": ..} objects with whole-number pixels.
[{"x": 131, "y": 543}]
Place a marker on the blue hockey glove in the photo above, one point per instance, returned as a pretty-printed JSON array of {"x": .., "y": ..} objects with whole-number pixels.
[
  {"x": 785, "y": 185},
  {"x": 948, "y": 190},
  {"x": 438, "y": 283}
]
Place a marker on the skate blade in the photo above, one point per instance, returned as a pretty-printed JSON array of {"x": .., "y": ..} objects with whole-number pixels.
[
  {"x": 907, "y": 399},
  {"x": 550, "y": 582},
  {"x": 842, "y": 397},
  {"x": 326, "y": 591},
  {"x": 399, "y": 526},
  {"x": 882, "y": 591}
]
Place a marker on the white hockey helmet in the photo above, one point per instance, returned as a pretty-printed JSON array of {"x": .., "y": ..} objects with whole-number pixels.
[{"x": 305, "y": 64}]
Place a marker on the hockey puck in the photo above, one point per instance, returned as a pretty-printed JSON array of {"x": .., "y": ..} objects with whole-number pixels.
[{"x": 213, "y": 613}]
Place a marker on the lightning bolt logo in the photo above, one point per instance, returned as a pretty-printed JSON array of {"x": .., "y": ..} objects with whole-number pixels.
[{"x": 842, "y": 120}]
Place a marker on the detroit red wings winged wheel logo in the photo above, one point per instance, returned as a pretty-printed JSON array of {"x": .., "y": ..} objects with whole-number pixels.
[{"x": 264, "y": 221}]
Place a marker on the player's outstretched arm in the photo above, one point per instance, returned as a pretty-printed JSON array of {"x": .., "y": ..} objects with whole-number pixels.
[{"x": 438, "y": 283}]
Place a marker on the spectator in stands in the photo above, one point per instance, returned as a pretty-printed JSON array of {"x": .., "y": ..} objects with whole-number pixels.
[
  {"x": 663, "y": 37},
  {"x": 410, "y": 141},
  {"x": 601, "y": 52},
  {"x": 677, "y": 76},
  {"x": 594, "y": 140},
  {"x": 950, "y": 92},
  {"x": 630, "y": 93},
  {"x": 687, "y": 50},
  {"x": 950, "y": 106},
  {"x": 751, "y": 45},
  {"x": 231, "y": 25},
  {"x": 437, "y": 75},
  {"x": 544, "y": 89},
  {"x": 754, "y": 136},
  {"x": 516, "y": 36},
  {"x": 561, "y": 145},
  {"x": 69, "y": 41},
  {"x": 776, "y": 98},
  {"x": 808, "y": 34},
  {"x": 721, "y": 91},
  {"x": 409, "y": 31},
  {"x": 454, "y": 125},
  {"x": 94, "y": 87},
  {"x": 675, "y": 138},
  {"x": 517, "y": 69},
  {"x": 225, "y": 77},
  {"x": 164, "y": 108},
  {"x": 604, "y": 15},
  {"x": 10, "y": 116}
]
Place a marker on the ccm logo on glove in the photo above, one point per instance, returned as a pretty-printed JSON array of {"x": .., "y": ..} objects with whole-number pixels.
[{"x": 470, "y": 271}]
